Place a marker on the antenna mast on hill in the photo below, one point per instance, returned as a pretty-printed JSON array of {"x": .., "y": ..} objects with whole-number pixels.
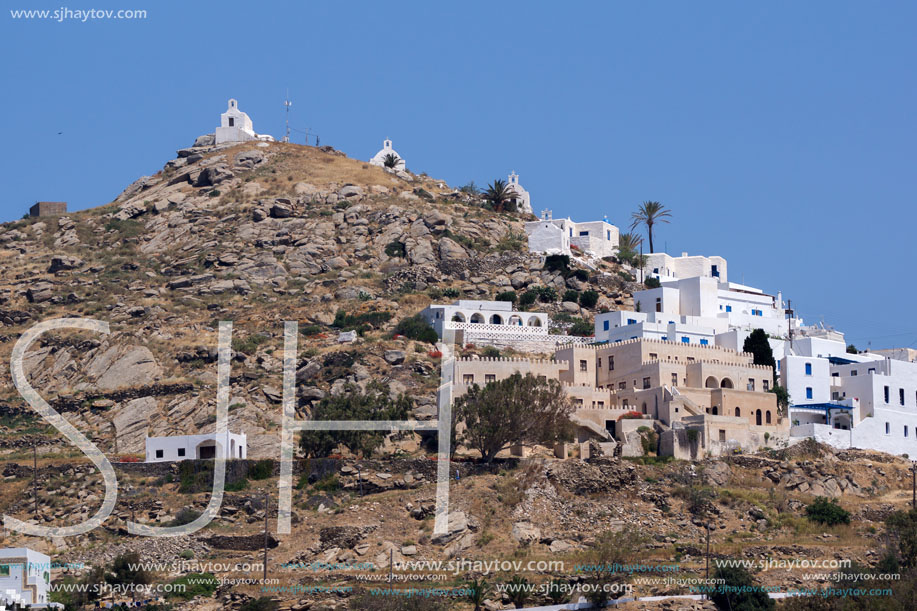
[{"x": 287, "y": 103}]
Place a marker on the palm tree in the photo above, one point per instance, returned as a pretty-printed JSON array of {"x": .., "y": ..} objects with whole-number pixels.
[
  {"x": 650, "y": 213},
  {"x": 477, "y": 592},
  {"x": 629, "y": 242},
  {"x": 391, "y": 161},
  {"x": 500, "y": 196},
  {"x": 629, "y": 247}
]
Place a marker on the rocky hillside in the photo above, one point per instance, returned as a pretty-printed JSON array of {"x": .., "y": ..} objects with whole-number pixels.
[{"x": 257, "y": 234}]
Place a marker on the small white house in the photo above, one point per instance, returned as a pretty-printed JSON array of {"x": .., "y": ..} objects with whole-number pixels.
[
  {"x": 186, "y": 447},
  {"x": 236, "y": 126},
  {"x": 25, "y": 578},
  {"x": 495, "y": 317},
  {"x": 379, "y": 158},
  {"x": 522, "y": 200},
  {"x": 559, "y": 236}
]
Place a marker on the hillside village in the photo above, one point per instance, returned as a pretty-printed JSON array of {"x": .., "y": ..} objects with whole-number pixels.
[{"x": 679, "y": 379}]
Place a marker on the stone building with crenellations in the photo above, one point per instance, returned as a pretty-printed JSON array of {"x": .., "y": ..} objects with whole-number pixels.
[{"x": 700, "y": 400}]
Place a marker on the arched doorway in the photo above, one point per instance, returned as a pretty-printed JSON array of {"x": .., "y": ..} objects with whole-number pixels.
[
  {"x": 711, "y": 383},
  {"x": 738, "y": 413},
  {"x": 207, "y": 449},
  {"x": 726, "y": 383},
  {"x": 767, "y": 416},
  {"x": 758, "y": 417},
  {"x": 534, "y": 321},
  {"x": 515, "y": 320},
  {"x": 496, "y": 319},
  {"x": 477, "y": 318},
  {"x": 458, "y": 317},
  {"x": 715, "y": 410}
]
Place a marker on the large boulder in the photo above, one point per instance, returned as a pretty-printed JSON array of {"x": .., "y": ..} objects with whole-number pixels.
[
  {"x": 451, "y": 252},
  {"x": 124, "y": 366},
  {"x": 64, "y": 262},
  {"x": 248, "y": 159},
  {"x": 205, "y": 140}
]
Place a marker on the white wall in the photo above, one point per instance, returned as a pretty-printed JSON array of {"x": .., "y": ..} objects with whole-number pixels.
[
  {"x": 171, "y": 446},
  {"x": 794, "y": 378},
  {"x": 32, "y": 566}
]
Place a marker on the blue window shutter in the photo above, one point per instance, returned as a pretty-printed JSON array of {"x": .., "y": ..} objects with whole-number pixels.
[{"x": 605, "y": 325}]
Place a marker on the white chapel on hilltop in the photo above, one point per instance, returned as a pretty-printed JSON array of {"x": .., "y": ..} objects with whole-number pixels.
[
  {"x": 523, "y": 201},
  {"x": 236, "y": 126},
  {"x": 379, "y": 158}
]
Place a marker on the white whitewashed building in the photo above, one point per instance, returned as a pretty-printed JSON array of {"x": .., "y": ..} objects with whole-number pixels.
[
  {"x": 522, "y": 200},
  {"x": 187, "y": 447},
  {"x": 562, "y": 236},
  {"x": 666, "y": 267},
  {"x": 491, "y": 316},
  {"x": 236, "y": 126},
  {"x": 379, "y": 158},
  {"x": 25, "y": 578}
]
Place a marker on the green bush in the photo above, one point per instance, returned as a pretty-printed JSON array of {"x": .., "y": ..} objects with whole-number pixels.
[
  {"x": 652, "y": 282},
  {"x": 582, "y": 328},
  {"x": 557, "y": 263},
  {"x": 248, "y": 345},
  {"x": 506, "y": 296},
  {"x": 742, "y": 592},
  {"x": 451, "y": 293},
  {"x": 185, "y": 515},
  {"x": 588, "y": 299},
  {"x": 361, "y": 322},
  {"x": 417, "y": 328},
  {"x": 328, "y": 483},
  {"x": 490, "y": 352},
  {"x": 826, "y": 511},
  {"x": 395, "y": 249},
  {"x": 528, "y": 298},
  {"x": 310, "y": 330},
  {"x": 581, "y": 275},
  {"x": 263, "y": 603},
  {"x": 262, "y": 469},
  {"x": 547, "y": 294},
  {"x": 195, "y": 584},
  {"x": 571, "y": 295}
]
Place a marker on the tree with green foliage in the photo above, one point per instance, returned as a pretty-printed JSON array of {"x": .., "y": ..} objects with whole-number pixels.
[
  {"x": 417, "y": 328},
  {"x": 740, "y": 591},
  {"x": 629, "y": 248},
  {"x": 589, "y": 298},
  {"x": 851, "y": 349},
  {"x": 649, "y": 214},
  {"x": 391, "y": 161},
  {"x": 826, "y": 511},
  {"x": 582, "y": 328},
  {"x": 902, "y": 529},
  {"x": 652, "y": 282},
  {"x": 528, "y": 298},
  {"x": 783, "y": 397},
  {"x": 500, "y": 196},
  {"x": 611, "y": 550},
  {"x": 477, "y": 592},
  {"x": 514, "y": 411},
  {"x": 547, "y": 294},
  {"x": 758, "y": 345},
  {"x": 375, "y": 403}
]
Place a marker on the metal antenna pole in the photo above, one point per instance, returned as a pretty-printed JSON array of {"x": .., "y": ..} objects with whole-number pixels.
[
  {"x": 35, "y": 476},
  {"x": 287, "y": 103},
  {"x": 266, "y": 502}
]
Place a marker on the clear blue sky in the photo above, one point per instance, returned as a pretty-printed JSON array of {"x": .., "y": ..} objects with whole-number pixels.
[{"x": 781, "y": 134}]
